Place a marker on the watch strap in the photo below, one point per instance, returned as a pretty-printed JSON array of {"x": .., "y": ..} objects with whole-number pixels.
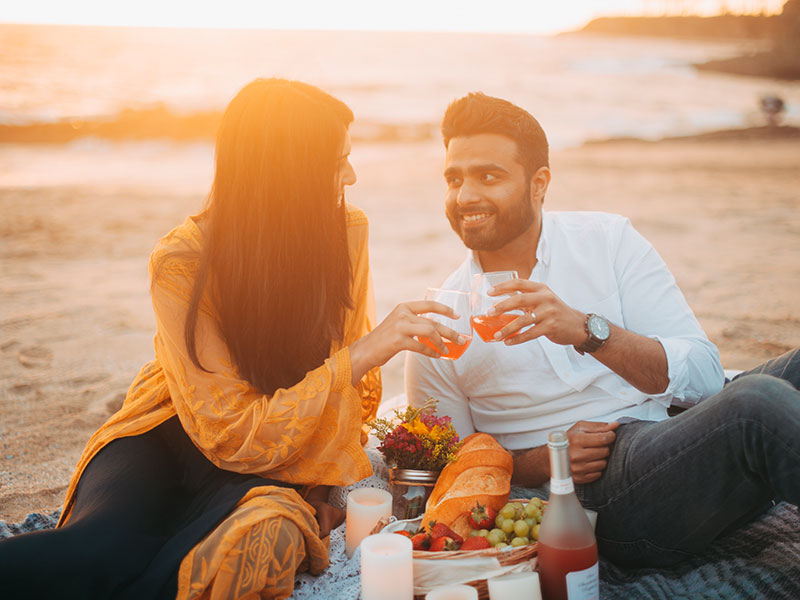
[{"x": 592, "y": 342}]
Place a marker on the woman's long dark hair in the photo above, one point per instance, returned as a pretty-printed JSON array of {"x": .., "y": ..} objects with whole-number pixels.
[{"x": 276, "y": 258}]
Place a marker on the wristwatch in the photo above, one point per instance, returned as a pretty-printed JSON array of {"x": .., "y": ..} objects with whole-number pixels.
[{"x": 598, "y": 331}]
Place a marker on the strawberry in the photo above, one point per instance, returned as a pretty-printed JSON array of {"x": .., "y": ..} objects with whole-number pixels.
[
  {"x": 441, "y": 530},
  {"x": 408, "y": 534},
  {"x": 420, "y": 541},
  {"x": 444, "y": 542},
  {"x": 482, "y": 517},
  {"x": 476, "y": 542}
]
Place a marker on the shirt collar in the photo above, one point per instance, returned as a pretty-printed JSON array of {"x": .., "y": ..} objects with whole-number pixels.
[{"x": 542, "y": 249}]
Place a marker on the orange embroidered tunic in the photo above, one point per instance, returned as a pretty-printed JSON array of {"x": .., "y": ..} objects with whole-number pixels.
[{"x": 309, "y": 434}]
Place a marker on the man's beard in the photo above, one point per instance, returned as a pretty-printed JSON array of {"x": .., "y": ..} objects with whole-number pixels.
[{"x": 508, "y": 224}]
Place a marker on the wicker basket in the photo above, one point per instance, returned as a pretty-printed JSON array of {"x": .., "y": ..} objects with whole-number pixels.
[{"x": 524, "y": 556}]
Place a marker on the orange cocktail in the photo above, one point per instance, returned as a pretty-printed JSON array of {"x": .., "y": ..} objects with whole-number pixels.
[
  {"x": 458, "y": 302},
  {"x": 454, "y": 350},
  {"x": 486, "y": 326}
]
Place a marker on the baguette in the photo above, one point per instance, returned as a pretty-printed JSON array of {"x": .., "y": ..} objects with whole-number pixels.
[{"x": 481, "y": 473}]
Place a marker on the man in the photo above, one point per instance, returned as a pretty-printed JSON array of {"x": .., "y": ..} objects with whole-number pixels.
[{"x": 604, "y": 343}]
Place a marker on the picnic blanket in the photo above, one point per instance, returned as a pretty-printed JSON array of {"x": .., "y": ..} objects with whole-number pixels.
[{"x": 761, "y": 560}]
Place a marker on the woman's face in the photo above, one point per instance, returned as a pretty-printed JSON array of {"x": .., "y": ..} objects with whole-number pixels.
[{"x": 345, "y": 174}]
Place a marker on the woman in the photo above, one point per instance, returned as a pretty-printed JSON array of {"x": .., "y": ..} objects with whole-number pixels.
[{"x": 210, "y": 481}]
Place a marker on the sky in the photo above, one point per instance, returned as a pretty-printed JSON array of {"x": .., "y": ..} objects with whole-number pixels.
[{"x": 524, "y": 16}]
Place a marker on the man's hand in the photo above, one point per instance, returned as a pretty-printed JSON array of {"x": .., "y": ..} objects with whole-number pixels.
[
  {"x": 589, "y": 447},
  {"x": 549, "y": 314}
]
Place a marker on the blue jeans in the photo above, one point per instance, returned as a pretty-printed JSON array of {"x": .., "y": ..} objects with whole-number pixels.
[{"x": 671, "y": 487}]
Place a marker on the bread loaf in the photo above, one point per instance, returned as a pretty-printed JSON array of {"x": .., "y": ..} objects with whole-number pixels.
[{"x": 480, "y": 473}]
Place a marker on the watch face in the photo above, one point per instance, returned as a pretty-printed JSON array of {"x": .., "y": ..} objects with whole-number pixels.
[{"x": 598, "y": 327}]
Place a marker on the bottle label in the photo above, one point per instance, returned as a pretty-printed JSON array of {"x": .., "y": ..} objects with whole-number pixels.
[
  {"x": 584, "y": 585},
  {"x": 562, "y": 486}
]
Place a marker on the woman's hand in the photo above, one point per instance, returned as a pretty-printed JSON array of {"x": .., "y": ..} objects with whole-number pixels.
[
  {"x": 399, "y": 331},
  {"x": 328, "y": 516}
]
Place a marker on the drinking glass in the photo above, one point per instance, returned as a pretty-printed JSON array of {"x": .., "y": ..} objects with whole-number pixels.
[
  {"x": 459, "y": 302},
  {"x": 483, "y": 324}
]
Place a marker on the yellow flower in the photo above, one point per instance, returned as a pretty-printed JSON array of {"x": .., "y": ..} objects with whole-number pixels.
[{"x": 416, "y": 427}]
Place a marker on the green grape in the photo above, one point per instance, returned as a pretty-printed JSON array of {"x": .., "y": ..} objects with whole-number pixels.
[
  {"x": 519, "y": 541},
  {"x": 538, "y": 502},
  {"x": 483, "y": 533},
  {"x": 501, "y": 545},
  {"x": 521, "y": 528},
  {"x": 518, "y": 508},
  {"x": 531, "y": 509},
  {"x": 530, "y": 521},
  {"x": 496, "y": 536},
  {"x": 535, "y": 531},
  {"x": 508, "y": 511},
  {"x": 473, "y": 533},
  {"x": 508, "y": 525}
]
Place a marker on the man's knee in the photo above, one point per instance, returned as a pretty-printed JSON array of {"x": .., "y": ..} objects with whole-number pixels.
[{"x": 761, "y": 398}]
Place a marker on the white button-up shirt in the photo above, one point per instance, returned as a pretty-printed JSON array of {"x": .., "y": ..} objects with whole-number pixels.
[{"x": 596, "y": 263}]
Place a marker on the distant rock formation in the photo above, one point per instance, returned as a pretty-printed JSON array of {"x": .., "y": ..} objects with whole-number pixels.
[
  {"x": 780, "y": 33},
  {"x": 781, "y": 61},
  {"x": 744, "y": 27}
]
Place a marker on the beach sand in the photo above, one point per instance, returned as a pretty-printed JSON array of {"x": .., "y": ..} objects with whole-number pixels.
[{"x": 79, "y": 222}]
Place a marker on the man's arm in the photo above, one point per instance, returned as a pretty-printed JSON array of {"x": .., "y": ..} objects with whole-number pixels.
[
  {"x": 660, "y": 348},
  {"x": 639, "y": 360}
]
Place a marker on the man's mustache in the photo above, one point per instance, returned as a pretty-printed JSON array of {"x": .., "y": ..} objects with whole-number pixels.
[{"x": 472, "y": 210}]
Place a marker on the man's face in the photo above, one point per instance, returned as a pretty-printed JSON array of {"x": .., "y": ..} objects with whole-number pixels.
[{"x": 488, "y": 199}]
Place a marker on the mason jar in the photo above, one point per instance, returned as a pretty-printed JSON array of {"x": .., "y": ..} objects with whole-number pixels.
[{"x": 410, "y": 489}]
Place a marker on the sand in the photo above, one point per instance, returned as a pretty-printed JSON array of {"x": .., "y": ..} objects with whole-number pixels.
[{"x": 79, "y": 222}]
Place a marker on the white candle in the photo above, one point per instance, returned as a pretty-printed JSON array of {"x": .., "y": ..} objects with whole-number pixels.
[
  {"x": 453, "y": 592},
  {"x": 592, "y": 517},
  {"x": 365, "y": 507},
  {"x": 387, "y": 572},
  {"x": 515, "y": 586}
]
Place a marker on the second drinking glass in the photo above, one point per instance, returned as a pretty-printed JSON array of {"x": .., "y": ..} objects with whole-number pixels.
[
  {"x": 459, "y": 302},
  {"x": 486, "y": 326}
]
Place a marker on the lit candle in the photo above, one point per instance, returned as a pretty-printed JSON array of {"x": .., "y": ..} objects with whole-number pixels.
[
  {"x": 453, "y": 592},
  {"x": 387, "y": 572},
  {"x": 365, "y": 507},
  {"x": 515, "y": 586}
]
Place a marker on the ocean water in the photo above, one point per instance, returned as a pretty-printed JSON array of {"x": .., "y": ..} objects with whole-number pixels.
[{"x": 579, "y": 87}]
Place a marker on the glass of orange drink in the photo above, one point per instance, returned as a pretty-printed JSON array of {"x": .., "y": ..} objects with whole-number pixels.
[
  {"x": 459, "y": 302},
  {"x": 483, "y": 324}
]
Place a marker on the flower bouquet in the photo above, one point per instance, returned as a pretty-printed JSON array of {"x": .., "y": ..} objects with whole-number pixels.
[{"x": 416, "y": 445}]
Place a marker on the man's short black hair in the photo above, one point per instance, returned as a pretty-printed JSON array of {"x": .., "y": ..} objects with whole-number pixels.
[{"x": 478, "y": 113}]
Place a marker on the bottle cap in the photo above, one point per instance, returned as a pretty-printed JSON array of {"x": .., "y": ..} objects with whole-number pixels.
[{"x": 557, "y": 439}]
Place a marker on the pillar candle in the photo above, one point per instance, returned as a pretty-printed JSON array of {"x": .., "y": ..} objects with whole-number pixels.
[
  {"x": 365, "y": 507},
  {"x": 387, "y": 571},
  {"x": 515, "y": 586},
  {"x": 453, "y": 592}
]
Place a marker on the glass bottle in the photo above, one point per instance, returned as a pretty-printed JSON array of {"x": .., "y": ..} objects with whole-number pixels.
[{"x": 567, "y": 548}]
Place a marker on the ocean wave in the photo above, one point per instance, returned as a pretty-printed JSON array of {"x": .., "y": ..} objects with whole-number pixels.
[{"x": 161, "y": 123}]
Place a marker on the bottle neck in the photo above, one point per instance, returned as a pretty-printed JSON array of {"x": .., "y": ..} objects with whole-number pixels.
[{"x": 560, "y": 476}]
